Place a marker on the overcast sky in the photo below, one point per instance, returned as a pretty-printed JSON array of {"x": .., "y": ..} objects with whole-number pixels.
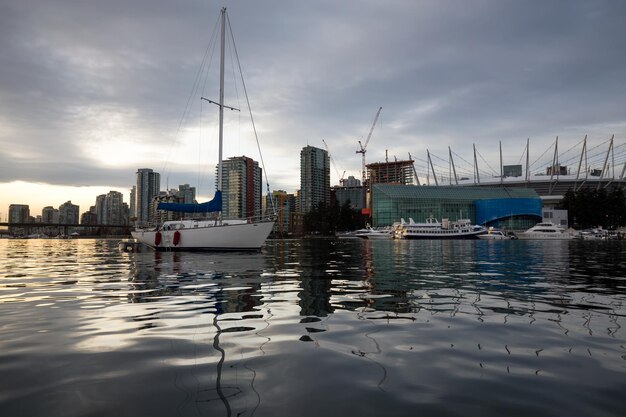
[{"x": 92, "y": 90}]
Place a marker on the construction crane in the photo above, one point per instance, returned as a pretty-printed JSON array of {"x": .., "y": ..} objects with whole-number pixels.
[
  {"x": 334, "y": 164},
  {"x": 363, "y": 148}
]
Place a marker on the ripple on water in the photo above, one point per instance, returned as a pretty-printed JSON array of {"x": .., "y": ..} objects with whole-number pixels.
[{"x": 423, "y": 328}]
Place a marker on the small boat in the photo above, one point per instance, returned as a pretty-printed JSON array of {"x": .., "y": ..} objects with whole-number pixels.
[
  {"x": 433, "y": 229},
  {"x": 367, "y": 233},
  {"x": 494, "y": 234},
  {"x": 545, "y": 231},
  {"x": 131, "y": 245},
  {"x": 208, "y": 234},
  {"x": 370, "y": 233},
  {"x": 592, "y": 234}
]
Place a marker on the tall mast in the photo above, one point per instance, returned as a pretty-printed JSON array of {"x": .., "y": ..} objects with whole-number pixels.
[
  {"x": 430, "y": 161},
  {"x": 418, "y": 179},
  {"x": 477, "y": 176},
  {"x": 221, "y": 103},
  {"x": 606, "y": 160},
  {"x": 555, "y": 162},
  {"x": 580, "y": 162},
  {"x": 501, "y": 169},
  {"x": 456, "y": 179},
  {"x": 527, "y": 161}
]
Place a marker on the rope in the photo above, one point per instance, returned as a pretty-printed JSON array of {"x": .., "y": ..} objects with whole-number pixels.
[{"x": 245, "y": 90}]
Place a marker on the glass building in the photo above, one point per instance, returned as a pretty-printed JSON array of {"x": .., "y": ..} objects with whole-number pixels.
[{"x": 506, "y": 208}]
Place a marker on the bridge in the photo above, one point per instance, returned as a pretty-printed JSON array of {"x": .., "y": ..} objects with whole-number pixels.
[{"x": 64, "y": 229}]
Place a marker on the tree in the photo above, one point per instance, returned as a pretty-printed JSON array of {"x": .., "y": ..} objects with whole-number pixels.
[
  {"x": 327, "y": 221},
  {"x": 591, "y": 208}
]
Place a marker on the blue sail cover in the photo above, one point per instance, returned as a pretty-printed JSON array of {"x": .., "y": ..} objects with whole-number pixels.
[{"x": 208, "y": 207}]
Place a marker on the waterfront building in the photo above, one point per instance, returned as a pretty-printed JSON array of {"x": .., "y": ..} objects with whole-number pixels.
[
  {"x": 314, "y": 178},
  {"x": 19, "y": 213},
  {"x": 160, "y": 216},
  {"x": 350, "y": 192},
  {"x": 89, "y": 217},
  {"x": 555, "y": 216},
  {"x": 133, "y": 200},
  {"x": 187, "y": 194},
  {"x": 551, "y": 176},
  {"x": 285, "y": 205},
  {"x": 395, "y": 172},
  {"x": 50, "y": 215},
  {"x": 100, "y": 209},
  {"x": 241, "y": 188},
  {"x": 506, "y": 208},
  {"x": 147, "y": 187},
  {"x": 114, "y": 208},
  {"x": 68, "y": 213},
  {"x": 184, "y": 195}
]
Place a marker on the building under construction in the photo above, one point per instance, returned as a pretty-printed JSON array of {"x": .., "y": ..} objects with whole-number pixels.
[{"x": 396, "y": 172}]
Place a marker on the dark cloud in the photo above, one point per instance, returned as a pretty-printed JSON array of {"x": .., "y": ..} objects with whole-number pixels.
[{"x": 454, "y": 73}]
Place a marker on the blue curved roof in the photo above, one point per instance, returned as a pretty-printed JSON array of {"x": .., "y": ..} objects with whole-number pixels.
[{"x": 489, "y": 210}]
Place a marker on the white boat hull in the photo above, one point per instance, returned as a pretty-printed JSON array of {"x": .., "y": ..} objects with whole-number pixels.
[
  {"x": 493, "y": 237},
  {"x": 375, "y": 236},
  {"x": 248, "y": 236},
  {"x": 544, "y": 236},
  {"x": 439, "y": 236}
]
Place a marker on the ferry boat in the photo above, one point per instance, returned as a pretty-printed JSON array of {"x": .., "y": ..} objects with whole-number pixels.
[
  {"x": 545, "y": 231},
  {"x": 433, "y": 229}
]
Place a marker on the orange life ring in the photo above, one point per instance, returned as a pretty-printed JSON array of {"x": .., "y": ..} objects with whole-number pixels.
[
  {"x": 157, "y": 238},
  {"x": 176, "y": 240}
]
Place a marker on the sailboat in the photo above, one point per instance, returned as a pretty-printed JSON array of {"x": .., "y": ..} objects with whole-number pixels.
[{"x": 207, "y": 234}]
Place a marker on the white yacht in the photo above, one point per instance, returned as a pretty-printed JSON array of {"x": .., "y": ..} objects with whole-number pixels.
[
  {"x": 545, "y": 231},
  {"x": 433, "y": 229},
  {"x": 370, "y": 233},
  {"x": 208, "y": 234},
  {"x": 494, "y": 234},
  {"x": 367, "y": 233}
]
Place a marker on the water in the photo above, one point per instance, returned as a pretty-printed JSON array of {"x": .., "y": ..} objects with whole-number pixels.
[{"x": 314, "y": 328}]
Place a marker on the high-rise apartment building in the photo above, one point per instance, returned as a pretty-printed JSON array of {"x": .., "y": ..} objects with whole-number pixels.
[
  {"x": 19, "y": 213},
  {"x": 69, "y": 213},
  {"x": 50, "y": 215},
  {"x": 114, "y": 208},
  {"x": 241, "y": 188},
  {"x": 314, "y": 178},
  {"x": 133, "y": 199},
  {"x": 148, "y": 186},
  {"x": 101, "y": 209},
  {"x": 350, "y": 192},
  {"x": 89, "y": 217}
]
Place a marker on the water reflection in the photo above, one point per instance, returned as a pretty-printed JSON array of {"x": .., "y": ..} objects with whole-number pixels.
[{"x": 430, "y": 326}]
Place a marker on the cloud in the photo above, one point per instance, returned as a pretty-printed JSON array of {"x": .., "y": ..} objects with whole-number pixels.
[{"x": 90, "y": 91}]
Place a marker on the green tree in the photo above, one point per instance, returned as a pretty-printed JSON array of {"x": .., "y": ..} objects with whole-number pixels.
[
  {"x": 591, "y": 208},
  {"x": 328, "y": 220}
]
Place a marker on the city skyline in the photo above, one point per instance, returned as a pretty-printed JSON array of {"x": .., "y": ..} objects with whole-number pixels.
[{"x": 82, "y": 107}]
